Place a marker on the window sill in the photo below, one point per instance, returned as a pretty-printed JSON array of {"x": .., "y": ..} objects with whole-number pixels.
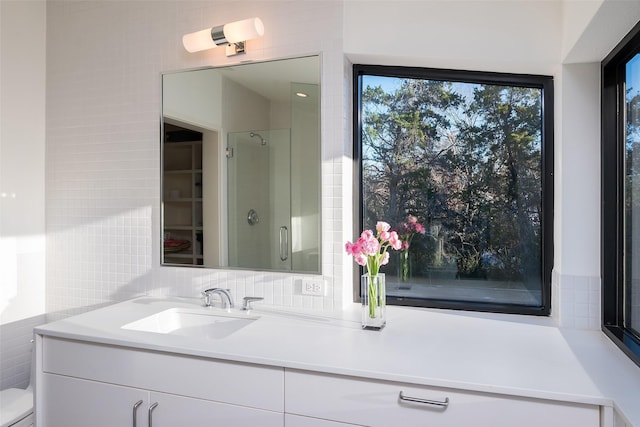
[{"x": 625, "y": 341}]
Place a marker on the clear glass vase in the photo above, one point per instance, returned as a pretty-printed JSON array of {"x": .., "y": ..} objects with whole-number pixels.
[
  {"x": 404, "y": 267},
  {"x": 373, "y": 297}
]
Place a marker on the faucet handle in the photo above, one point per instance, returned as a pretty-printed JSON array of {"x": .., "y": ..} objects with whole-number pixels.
[
  {"x": 206, "y": 297},
  {"x": 246, "y": 302}
]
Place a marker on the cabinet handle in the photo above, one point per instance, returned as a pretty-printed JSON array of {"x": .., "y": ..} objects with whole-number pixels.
[
  {"x": 151, "y": 408},
  {"x": 442, "y": 404},
  {"x": 284, "y": 243},
  {"x": 135, "y": 412}
]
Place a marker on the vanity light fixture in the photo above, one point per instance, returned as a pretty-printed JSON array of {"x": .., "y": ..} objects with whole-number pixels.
[
  {"x": 233, "y": 35},
  {"x": 301, "y": 94}
]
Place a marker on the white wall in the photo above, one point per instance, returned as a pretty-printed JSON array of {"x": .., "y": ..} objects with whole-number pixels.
[
  {"x": 591, "y": 30},
  {"x": 22, "y": 182},
  {"x": 103, "y": 98},
  {"x": 184, "y": 100},
  {"x": 576, "y": 17},
  {"x": 508, "y": 36},
  {"x": 593, "y": 27},
  {"x": 576, "y": 287},
  {"x": 22, "y": 119},
  {"x": 103, "y": 106}
]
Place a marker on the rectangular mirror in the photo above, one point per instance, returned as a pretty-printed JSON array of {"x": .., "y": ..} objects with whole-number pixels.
[{"x": 241, "y": 166}]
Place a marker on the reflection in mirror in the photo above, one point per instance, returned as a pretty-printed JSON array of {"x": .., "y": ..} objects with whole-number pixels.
[{"x": 241, "y": 166}]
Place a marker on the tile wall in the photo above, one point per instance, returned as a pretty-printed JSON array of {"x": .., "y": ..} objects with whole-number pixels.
[
  {"x": 103, "y": 106},
  {"x": 576, "y": 301},
  {"x": 104, "y": 60},
  {"x": 15, "y": 342}
]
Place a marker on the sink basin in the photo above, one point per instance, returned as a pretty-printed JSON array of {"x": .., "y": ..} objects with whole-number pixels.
[{"x": 191, "y": 323}]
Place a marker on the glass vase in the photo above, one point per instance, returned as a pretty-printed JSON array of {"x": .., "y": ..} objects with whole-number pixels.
[
  {"x": 404, "y": 267},
  {"x": 373, "y": 297}
]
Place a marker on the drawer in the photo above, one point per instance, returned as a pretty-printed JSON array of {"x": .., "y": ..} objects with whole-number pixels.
[
  {"x": 298, "y": 421},
  {"x": 377, "y": 404},
  {"x": 197, "y": 377}
]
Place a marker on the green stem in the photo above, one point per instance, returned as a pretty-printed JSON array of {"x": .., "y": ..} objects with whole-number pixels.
[
  {"x": 373, "y": 296},
  {"x": 404, "y": 265}
]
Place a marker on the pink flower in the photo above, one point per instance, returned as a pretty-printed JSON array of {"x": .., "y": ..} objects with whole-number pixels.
[
  {"x": 367, "y": 234},
  {"x": 352, "y": 248},
  {"x": 369, "y": 244},
  {"x": 408, "y": 229},
  {"x": 371, "y": 250},
  {"x": 382, "y": 226},
  {"x": 385, "y": 259},
  {"x": 394, "y": 241},
  {"x": 361, "y": 259}
]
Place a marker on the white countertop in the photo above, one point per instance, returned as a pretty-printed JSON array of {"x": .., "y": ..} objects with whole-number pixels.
[{"x": 505, "y": 354}]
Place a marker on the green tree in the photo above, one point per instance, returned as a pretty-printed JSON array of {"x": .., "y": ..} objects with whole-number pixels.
[
  {"x": 463, "y": 158},
  {"x": 508, "y": 132},
  {"x": 400, "y": 135}
]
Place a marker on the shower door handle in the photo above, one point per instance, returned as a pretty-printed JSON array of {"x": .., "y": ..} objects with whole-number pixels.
[{"x": 284, "y": 243}]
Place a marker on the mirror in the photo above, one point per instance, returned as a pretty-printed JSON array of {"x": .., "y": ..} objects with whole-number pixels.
[{"x": 241, "y": 166}]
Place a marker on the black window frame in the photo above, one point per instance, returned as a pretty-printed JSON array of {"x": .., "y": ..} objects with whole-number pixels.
[
  {"x": 612, "y": 195},
  {"x": 545, "y": 83}
]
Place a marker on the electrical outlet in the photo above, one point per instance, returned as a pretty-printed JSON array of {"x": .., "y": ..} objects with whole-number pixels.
[{"x": 312, "y": 287}]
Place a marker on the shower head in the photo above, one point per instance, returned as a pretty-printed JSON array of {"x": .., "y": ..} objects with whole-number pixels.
[{"x": 262, "y": 140}]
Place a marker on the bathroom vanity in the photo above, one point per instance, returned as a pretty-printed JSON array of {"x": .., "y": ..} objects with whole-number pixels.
[{"x": 156, "y": 362}]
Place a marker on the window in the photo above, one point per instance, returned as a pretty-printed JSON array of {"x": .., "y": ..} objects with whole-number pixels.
[
  {"x": 460, "y": 164},
  {"x": 621, "y": 195}
]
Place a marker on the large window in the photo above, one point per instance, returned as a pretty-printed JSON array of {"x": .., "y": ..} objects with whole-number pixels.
[
  {"x": 460, "y": 164},
  {"x": 621, "y": 194}
]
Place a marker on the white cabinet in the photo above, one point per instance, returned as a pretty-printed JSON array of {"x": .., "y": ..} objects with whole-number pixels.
[
  {"x": 619, "y": 421},
  {"x": 378, "y": 404},
  {"x": 92, "y": 385},
  {"x": 173, "y": 411},
  {"x": 82, "y": 384},
  {"x": 298, "y": 421},
  {"x": 74, "y": 402}
]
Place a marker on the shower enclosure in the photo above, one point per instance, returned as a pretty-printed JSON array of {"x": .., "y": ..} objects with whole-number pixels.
[{"x": 259, "y": 199}]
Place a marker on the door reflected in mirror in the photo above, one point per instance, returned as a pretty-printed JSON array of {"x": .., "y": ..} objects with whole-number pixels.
[{"x": 241, "y": 166}]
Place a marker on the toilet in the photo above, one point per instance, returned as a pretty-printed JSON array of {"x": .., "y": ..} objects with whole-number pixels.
[
  {"x": 16, "y": 407},
  {"x": 16, "y": 404}
]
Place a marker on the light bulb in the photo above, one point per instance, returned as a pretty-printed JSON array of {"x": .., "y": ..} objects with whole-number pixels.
[
  {"x": 233, "y": 32},
  {"x": 246, "y": 29}
]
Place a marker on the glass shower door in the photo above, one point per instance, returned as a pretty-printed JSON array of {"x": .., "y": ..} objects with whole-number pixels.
[{"x": 259, "y": 199}]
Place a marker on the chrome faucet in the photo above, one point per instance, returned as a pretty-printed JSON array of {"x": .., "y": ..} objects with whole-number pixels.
[
  {"x": 246, "y": 302},
  {"x": 225, "y": 297}
]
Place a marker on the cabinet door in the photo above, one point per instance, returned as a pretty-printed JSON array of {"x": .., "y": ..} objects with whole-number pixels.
[
  {"x": 73, "y": 402},
  {"x": 379, "y": 404},
  {"x": 298, "y": 421},
  {"x": 172, "y": 411}
]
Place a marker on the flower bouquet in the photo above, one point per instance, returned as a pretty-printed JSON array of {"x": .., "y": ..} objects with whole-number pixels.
[
  {"x": 371, "y": 250},
  {"x": 407, "y": 230}
]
